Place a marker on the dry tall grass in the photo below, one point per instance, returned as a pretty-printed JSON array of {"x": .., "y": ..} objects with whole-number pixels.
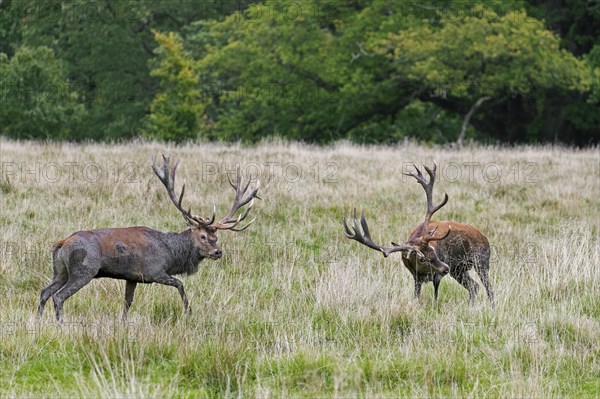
[{"x": 294, "y": 308}]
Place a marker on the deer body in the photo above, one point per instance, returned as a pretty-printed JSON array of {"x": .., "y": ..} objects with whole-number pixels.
[
  {"x": 137, "y": 254},
  {"x": 140, "y": 254},
  {"x": 134, "y": 254},
  {"x": 463, "y": 249}
]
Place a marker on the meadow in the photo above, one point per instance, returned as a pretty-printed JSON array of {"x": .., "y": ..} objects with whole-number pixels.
[{"x": 294, "y": 309}]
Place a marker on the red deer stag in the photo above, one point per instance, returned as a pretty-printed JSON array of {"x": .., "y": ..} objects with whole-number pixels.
[
  {"x": 429, "y": 257},
  {"x": 141, "y": 254}
]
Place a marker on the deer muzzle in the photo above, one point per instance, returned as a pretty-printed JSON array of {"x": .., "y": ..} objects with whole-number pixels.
[
  {"x": 442, "y": 268},
  {"x": 216, "y": 253}
]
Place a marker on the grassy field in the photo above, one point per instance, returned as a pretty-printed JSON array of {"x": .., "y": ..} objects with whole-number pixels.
[{"x": 294, "y": 308}]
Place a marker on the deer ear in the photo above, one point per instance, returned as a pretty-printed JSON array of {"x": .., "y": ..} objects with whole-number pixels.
[
  {"x": 416, "y": 242},
  {"x": 412, "y": 252}
]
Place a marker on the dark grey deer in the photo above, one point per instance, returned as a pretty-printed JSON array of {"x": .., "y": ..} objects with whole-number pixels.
[
  {"x": 429, "y": 257},
  {"x": 141, "y": 254}
]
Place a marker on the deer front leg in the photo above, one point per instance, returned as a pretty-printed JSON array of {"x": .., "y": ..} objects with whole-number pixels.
[
  {"x": 129, "y": 291},
  {"x": 173, "y": 282},
  {"x": 437, "y": 279},
  {"x": 418, "y": 284}
]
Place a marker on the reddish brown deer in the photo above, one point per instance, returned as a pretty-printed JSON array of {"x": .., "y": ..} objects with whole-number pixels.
[
  {"x": 429, "y": 257},
  {"x": 141, "y": 254}
]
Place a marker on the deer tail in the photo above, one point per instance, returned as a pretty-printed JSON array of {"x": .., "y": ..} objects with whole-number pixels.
[{"x": 57, "y": 246}]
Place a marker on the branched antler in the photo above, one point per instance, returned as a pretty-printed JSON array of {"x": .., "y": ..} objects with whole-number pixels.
[
  {"x": 431, "y": 237},
  {"x": 229, "y": 222},
  {"x": 361, "y": 234},
  {"x": 428, "y": 187},
  {"x": 166, "y": 174}
]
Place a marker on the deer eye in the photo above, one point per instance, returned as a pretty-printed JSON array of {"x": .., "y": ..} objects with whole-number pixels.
[{"x": 203, "y": 237}]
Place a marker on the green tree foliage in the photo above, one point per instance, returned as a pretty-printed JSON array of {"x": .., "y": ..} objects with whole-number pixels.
[
  {"x": 489, "y": 55},
  {"x": 106, "y": 47},
  {"x": 593, "y": 59},
  {"x": 37, "y": 99},
  {"x": 103, "y": 47},
  {"x": 10, "y": 32},
  {"x": 576, "y": 22},
  {"x": 368, "y": 72},
  {"x": 176, "y": 110},
  {"x": 289, "y": 70},
  {"x": 503, "y": 57}
]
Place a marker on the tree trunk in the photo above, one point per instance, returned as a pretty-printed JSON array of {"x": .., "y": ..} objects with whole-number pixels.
[{"x": 463, "y": 129}]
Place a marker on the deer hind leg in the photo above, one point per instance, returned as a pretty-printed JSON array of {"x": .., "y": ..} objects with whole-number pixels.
[
  {"x": 485, "y": 280},
  {"x": 129, "y": 291},
  {"x": 60, "y": 278},
  {"x": 173, "y": 282},
  {"x": 81, "y": 273},
  {"x": 462, "y": 276},
  {"x": 57, "y": 283}
]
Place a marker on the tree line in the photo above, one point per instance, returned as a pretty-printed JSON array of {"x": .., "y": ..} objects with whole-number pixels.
[{"x": 318, "y": 71}]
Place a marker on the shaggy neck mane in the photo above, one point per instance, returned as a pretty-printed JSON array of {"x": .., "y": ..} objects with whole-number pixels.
[{"x": 186, "y": 256}]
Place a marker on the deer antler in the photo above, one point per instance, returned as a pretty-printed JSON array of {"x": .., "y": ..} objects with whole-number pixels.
[
  {"x": 428, "y": 187},
  {"x": 229, "y": 222},
  {"x": 430, "y": 236},
  {"x": 166, "y": 174},
  {"x": 363, "y": 236}
]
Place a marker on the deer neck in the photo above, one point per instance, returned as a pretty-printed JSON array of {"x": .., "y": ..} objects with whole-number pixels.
[{"x": 185, "y": 255}]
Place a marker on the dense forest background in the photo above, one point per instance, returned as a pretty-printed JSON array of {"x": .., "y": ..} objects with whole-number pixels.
[{"x": 316, "y": 71}]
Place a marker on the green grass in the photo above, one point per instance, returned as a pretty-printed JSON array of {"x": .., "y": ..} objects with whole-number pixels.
[{"x": 294, "y": 308}]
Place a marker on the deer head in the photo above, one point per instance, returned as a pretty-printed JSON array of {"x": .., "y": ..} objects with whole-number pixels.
[{"x": 424, "y": 239}]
